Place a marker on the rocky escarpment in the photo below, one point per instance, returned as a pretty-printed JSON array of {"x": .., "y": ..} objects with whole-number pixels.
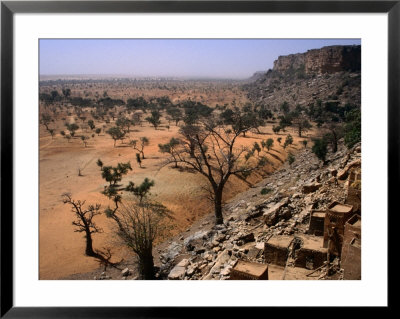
[
  {"x": 327, "y": 74},
  {"x": 329, "y": 59},
  {"x": 277, "y": 207}
]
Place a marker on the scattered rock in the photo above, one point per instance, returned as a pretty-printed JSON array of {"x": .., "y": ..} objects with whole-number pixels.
[
  {"x": 125, "y": 272},
  {"x": 177, "y": 273},
  {"x": 310, "y": 188}
]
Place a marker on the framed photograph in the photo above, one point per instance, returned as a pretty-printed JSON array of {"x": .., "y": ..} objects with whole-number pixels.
[{"x": 159, "y": 155}]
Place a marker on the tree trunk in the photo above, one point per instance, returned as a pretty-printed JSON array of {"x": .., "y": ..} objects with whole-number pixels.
[
  {"x": 146, "y": 265},
  {"x": 192, "y": 147},
  {"x": 218, "y": 206},
  {"x": 89, "y": 245},
  {"x": 335, "y": 146}
]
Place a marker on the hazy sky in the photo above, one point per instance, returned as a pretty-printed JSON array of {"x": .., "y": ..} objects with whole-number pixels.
[{"x": 180, "y": 58}]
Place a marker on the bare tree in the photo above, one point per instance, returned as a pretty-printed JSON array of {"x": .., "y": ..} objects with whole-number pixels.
[
  {"x": 211, "y": 151},
  {"x": 84, "y": 221},
  {"x": 139, "y": 145}
]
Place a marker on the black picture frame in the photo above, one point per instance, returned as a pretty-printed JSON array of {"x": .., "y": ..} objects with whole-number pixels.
[{"x": 9, "y": 8}]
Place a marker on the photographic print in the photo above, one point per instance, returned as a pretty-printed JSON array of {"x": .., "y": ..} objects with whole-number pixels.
[{"x": 199, "y": 159}]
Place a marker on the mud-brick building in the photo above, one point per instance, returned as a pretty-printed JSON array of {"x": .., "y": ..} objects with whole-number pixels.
[
  {"x": 335, "y": 219},
  {"x": 316, "y": 224},
  {"x": 276, "y": 250},
  {"x": 244, "y": 270},
  {"x": 311, "y": 254},
  {"x": 351, "y": 249},
  {"x": 353, "y": 195}
]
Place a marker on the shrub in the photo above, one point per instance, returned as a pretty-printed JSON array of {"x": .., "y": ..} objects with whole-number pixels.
[
  {"x": 291, "y": 158},
  {"x": 265, "y": 191},
  {"x": 320, "y": 148}
]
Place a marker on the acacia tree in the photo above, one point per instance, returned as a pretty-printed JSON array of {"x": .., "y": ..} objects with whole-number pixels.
[
  {"x": 139, "y": 145},
  {"x": 141, "y": 191},
  {"x": 171, "y": 148},
  {"x": 288, "y": 141},
  {"x": 116, "y": 134},
  {"x": 139, "y": 160},
  {"x": 113, "y": 175},
  {"x": 215, "y": 157},
  {"x": 91, "y": 124},
  {"x": 84, "y": 221},
  {"x": 256, "y": 147},
  {"x": 175, "y": 114},
  {"x": 320, "y": 149},
  {"x": 334, "y": 133},
  {"x": 84, "y": 139},
  {"x": 154, "y": 119},
  {"x": 300, "y": 121},
  {"x": 269, "y": 143},
  {"x": 45, "y": 120},
  {"x": 276, "y": 129},
  {"x": 124, "y": 123},
  {"x": 138, "y": 222},
  {"x": 52, "y": 132},
  {"x": 72, "y": 128}
]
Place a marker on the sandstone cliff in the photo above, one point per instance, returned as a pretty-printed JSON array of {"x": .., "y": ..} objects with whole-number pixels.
[
  {"x": 328, "y": 74},
  {"x": 330, "y": 59}
]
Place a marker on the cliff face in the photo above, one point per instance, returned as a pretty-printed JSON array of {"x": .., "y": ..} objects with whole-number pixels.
[
  {"x": 330, "y": 59},
  {"x": 327, "y": 74}
]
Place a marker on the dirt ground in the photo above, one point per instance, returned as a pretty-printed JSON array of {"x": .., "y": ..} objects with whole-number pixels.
[{"x": 61, "y": 249}]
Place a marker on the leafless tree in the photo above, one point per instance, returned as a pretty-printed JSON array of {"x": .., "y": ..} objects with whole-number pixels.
[
  {"x": 84, "y": 221},
  {"x": 210, "y": 150}
]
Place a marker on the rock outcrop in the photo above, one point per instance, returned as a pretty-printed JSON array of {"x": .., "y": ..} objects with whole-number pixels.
[
  {"x": 329, "y": 59},
  {"x": 330, "y": 74}
]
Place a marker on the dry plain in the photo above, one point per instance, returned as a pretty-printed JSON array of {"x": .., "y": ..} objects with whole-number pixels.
[{"x": 61, "y": 249}]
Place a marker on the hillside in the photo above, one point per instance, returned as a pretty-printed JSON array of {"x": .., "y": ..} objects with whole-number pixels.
[
  {"x": 273, "y": 213},
  {"x": 327, "y": 74}
]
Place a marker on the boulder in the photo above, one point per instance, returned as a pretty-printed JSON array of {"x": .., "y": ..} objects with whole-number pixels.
[
  {"x": 310, "y": 188},
  {"x": 271, "y": 214},
  {"x": 195, "y": 236},
  {"x": 178, "y": 272},
  {"x": 172, "y": 251},
  {"x": 246, "y": 237},
  {"x": 253, "y": 214},
  {"x": 183, "y": 263}
]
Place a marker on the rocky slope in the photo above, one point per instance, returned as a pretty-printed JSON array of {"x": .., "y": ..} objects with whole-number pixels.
[
  {"x": 278, "y": 207},
  {"x": 326, "y": 74},
  {"x": 209, "y": 252}
]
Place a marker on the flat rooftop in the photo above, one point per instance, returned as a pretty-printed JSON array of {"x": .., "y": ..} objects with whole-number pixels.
[
  {"x": 312, "y": 242},
  {"x": 253, "y": 269},
  {"x": 280, "y": 241},
  {"x": 318, "y": 214},
  {"x": 342, "y": 208}
]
